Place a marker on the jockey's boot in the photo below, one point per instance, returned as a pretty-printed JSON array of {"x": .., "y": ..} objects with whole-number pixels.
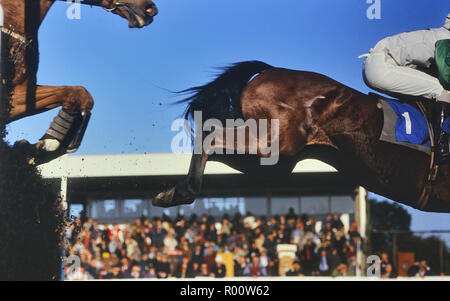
[{"x": 441, "y": 127}]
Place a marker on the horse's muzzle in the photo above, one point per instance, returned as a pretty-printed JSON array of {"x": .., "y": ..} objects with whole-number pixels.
[
  {"x": 139, "y": 17},
  {"x": 150, "y": 11}
]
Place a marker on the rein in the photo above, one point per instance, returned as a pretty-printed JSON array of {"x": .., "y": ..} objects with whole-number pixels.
[
  {"x": 97, "y": 3},
  {"x": 434, "y": 168}
]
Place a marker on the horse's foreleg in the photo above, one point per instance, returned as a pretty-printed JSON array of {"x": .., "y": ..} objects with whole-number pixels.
[
  {"x": 72, "y": 99},
  {"x": 67, "y": 129},
  {"x": 185, "y": 191}
]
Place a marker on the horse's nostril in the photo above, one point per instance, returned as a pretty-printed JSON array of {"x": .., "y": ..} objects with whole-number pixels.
[
  {"x": 150, "y": 7},
  {"x": 151, "y": 10}
]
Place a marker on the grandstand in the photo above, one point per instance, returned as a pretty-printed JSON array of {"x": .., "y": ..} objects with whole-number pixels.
[{"x": 115, "y": 191}]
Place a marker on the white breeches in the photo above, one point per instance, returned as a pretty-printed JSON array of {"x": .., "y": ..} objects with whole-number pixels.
[{"x": 382, "y": 73}]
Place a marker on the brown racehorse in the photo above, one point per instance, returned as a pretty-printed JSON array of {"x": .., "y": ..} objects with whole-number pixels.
[
  {"x": 318, "y": 118},
  {"x": 22, "y": 19}
]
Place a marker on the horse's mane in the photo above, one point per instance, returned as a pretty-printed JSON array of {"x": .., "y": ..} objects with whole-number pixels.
[{"x": 221, "y": 98}]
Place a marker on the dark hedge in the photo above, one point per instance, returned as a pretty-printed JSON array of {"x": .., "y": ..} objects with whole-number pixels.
[{"x": 31, "y": 221}]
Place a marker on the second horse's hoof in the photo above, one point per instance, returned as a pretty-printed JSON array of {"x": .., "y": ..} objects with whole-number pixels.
[{"x": 164, "y": 199}]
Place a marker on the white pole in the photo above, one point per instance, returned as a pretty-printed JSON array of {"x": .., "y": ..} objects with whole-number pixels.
[
  {"x": 64, "y": 193},
  {"x": 362, "y": 200},
  {"x": 361, "y": 219},
  {"x": 358, "y": 258}
]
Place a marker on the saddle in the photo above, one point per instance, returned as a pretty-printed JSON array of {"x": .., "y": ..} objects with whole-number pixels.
[{"x": 422, "y": 127}]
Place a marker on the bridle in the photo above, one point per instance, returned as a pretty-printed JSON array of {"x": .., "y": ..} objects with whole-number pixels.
[{"x": 117, "y": 4}]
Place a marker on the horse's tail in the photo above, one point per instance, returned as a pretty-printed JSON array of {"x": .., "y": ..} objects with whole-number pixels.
[{"x": 221, "y": 98}]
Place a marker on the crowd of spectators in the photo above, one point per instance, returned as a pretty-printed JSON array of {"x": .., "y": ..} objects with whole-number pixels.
[{"x": 189, "y": 247}]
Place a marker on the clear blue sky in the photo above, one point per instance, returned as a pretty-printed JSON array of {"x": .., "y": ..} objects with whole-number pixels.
[{"x": 129, "y": 71}]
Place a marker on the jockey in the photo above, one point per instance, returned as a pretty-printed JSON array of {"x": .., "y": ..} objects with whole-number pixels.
[{"x": 405, "y": 64}]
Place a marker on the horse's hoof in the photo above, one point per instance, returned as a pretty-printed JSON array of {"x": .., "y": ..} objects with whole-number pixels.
[
  {"x": 48, "y": 145},
  {"x": 164, "y": 199},
  {"x": 72, "y": 150}
]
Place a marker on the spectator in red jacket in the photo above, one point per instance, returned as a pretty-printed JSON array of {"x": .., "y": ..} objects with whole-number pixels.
[
  {"x": 210, "y": 258},
  {"x": 308, "y": 257}
]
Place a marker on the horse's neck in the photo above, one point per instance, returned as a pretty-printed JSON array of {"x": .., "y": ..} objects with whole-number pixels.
[{"x": 25, "y": 16}]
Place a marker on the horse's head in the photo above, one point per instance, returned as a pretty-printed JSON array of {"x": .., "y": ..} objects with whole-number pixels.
[{"x": 139, "y": 13}]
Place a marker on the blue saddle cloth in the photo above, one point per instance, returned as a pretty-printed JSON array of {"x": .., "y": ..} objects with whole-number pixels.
[
  {"x": 405, "y": 125},
  {"x": 411, "y": 125},
  {"x": 446, "y": 125}
]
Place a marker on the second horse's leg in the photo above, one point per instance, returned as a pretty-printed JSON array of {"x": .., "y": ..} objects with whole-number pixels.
[
  {"x": 67, "y": 129},
  {"x": 185, "y": 191}
]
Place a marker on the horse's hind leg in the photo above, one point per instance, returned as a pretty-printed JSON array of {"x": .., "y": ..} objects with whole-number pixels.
[{"x": 67, "y": 129}]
